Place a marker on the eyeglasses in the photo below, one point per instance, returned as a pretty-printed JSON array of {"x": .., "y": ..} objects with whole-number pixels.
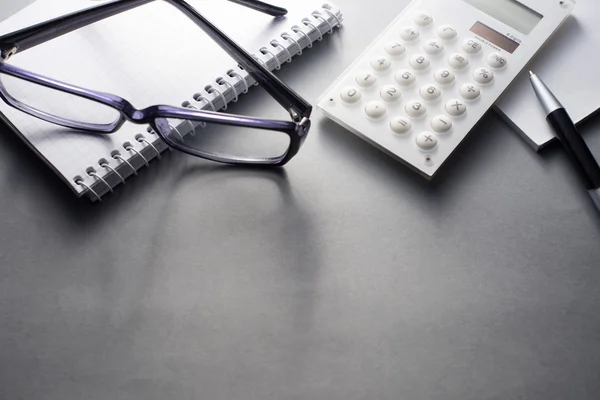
[{"x": 267, "y": 142}]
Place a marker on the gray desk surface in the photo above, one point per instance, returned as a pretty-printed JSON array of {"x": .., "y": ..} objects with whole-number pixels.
[{"x": 344, "y": 276}]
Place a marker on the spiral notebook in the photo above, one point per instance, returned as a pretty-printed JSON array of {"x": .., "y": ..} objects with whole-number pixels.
[{"x": 150, "y": 55}]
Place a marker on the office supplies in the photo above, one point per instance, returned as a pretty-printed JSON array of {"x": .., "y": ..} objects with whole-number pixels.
[
  {"x": 148, "y": 56},
  {"x": 574, "y": 145},
  {"x": 427, "y": 79},
  {"x": 243, "y": 140},
  {"x": 569, "y": 64}
]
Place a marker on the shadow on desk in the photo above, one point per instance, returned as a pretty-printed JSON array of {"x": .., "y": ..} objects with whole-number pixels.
[
  {"x": 456, "y": 174},
  {"x": 493, "y": 163},
  {"x": 33, "y": 192}
]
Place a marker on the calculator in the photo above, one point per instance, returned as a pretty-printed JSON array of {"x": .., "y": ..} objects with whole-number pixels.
[{"x": 418, "y": 89}]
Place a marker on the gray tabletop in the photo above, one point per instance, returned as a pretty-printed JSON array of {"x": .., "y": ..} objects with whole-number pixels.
[{"x": 342, "y": 276}]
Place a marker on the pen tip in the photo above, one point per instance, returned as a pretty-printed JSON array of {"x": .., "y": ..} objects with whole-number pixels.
[{"x": 531, "y": 73}]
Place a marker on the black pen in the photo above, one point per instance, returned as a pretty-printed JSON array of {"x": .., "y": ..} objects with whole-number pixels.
[{"x": 574, "y": 145}]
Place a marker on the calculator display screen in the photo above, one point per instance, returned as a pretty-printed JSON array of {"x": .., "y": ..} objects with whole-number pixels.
[
  {"x": 500, "y": 40},
  {"x": 514, "y": 14}
]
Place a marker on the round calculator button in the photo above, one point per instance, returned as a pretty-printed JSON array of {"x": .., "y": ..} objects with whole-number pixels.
[
  {"x": 471, "y": 46},
  {"x": 422, "y": 19},
  {"x": 350, "y": 95},
  {"x": 375, "y": 109},
  {"x": 395, "y": 49},
  {"x": 415, "y": 108},
  {"x": 366, "y": 79},
  {"x": 444, "y": 76},
  {"x": 433, "y": 47},
  {"x": 426, "y": 141},
  {"x": 430, "y": 92},
  {"x": 469, "y": 91},
  {"x": 441, "y": 124},
  {"x": 409, "y": 34},
  {"x": 446, "y": 32},
  {"x": 390, "y": 93},
  {"x": 455, "y": 107},
  {"x": 419, "y": 62},
  {"x": 381, "y": 64},
  {"x": 495, "y": 60},
  {"x": 458, "y": 61},
  {"x": 400, "y": 125},
  {"x": 483, "y": 75},
  {"x": 405, "y": 77}
]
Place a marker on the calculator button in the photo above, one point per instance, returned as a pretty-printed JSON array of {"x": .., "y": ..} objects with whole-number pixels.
[
  {"x": 405, "y": 77},
  {"x": 471, "y": 46},
  {"x": 381, "y": 64},
  {"x": 390, "y": 93},
  {"x": 400, "y": 125},
  {"x": 422, "y": 19},
  {"x": 469, "y": 91},
  {"x": 430, "y": 92},
  {"x": 447, "y": 32},
  {"x": 441, "y": 124},
  {"x": 426, "y": 141},
  {"x": 444, "y": 76},
  {"x": 350, "y": 95},
  {"x": 375, "y": 109},
  {"x": 366, "y": 79},
  {"x": 483, "y": 75},
  {"x": 409, "y": 34},
  {"x": 419, "y": 62},
  {"x": 458, "y": 61},
  {"x": 415, "y": 108},
  {"x": 433, "y": 47},
  {"x": 395, "y": 49},
  {"x": 495, "y": 60},
  {"x": 456, "y": 107}
]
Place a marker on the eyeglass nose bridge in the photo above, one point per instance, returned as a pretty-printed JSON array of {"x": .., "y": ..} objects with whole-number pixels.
[{"x": 128, "y": 111}]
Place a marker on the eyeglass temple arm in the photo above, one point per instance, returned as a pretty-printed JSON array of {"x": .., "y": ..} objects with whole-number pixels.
[
  {"x": 283, "y": 94},
  {"x": 261, "y": 6},
  {"x": 32, "y": 36}
]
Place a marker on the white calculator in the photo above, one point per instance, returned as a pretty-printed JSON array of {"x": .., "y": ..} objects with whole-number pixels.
[{"x": 428, "y": 78}]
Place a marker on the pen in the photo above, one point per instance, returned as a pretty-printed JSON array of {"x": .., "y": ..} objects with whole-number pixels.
[{"x": 572, "y": 142}]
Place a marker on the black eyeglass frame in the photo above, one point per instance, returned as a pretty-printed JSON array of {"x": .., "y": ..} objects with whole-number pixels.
[{"x": 155, "y": 116}]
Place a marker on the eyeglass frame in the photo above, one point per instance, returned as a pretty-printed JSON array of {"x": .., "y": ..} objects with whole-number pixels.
[{"x": 299, "y": 109}]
